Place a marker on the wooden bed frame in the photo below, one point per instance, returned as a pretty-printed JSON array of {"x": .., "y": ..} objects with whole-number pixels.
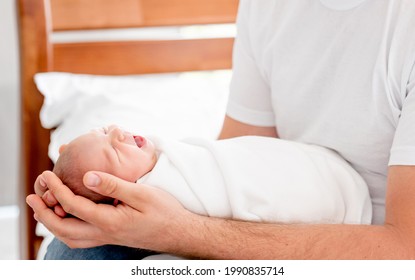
[{"x": 38, "y": 19}]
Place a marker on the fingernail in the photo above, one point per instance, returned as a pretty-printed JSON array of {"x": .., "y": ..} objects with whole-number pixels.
[
  {"x": 42, "y": 182},
  {"x": 29, "y": 202},
  {"x": 48, "y": 198},
  {"x": 92, "y": 180}
]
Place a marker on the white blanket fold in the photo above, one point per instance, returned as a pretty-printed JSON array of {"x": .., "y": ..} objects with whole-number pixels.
[{"x": 261, "y": 179}]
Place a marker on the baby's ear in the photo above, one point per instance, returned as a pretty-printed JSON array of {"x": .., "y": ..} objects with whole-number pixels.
[{"x": 63, "y": 147}]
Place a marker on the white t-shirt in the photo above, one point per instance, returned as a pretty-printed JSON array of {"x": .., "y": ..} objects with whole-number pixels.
[{"x": 334, "y": 73}]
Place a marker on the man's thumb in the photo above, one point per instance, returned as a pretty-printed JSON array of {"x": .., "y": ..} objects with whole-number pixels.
[
  {"x": 92, "y": 180},
  {"x": 105, "y": 184},
  {"x": 112, "y": 186}
]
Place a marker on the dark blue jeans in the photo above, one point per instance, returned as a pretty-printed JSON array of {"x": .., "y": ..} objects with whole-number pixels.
[{"x": 57, "y": 250}]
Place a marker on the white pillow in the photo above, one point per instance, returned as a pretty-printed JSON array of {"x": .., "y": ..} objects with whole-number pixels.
[{"x": 175, "y": 105}]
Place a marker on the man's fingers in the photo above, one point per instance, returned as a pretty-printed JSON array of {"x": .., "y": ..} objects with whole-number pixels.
[
  {"x": 70, "y": 203},
  {"x": 42, "y": 190},
  {"x": 59, "y": 211},
  {"x": 100, "y": 215},
  {"x": 64, "y": 196},
  {"x": 62, "y": 228},
  {"x": 40, "y": 185},
  {"x": 49, "y": 199}
]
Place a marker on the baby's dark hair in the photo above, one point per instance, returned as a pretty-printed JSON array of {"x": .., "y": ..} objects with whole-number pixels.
[{"x": 69, "y": 169}]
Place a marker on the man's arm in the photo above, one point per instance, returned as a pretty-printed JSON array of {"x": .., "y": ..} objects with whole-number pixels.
[
  {"x": 227, "y": 239},
  {"x": 233, "y": 128}
]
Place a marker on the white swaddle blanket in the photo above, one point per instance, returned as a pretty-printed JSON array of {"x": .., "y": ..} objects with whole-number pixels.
[{"x": 261, "y": 179}]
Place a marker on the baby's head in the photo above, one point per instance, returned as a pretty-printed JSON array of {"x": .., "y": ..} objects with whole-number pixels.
[{"x": 110, "y": 150}]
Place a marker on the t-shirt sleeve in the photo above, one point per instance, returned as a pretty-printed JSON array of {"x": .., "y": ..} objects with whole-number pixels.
[
  {"x": 403, "y": 147},
  {"x": 250, "y": 97}
]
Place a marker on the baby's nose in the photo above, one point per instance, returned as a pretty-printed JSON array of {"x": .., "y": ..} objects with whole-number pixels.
[
  {"x": 116, "y": 133},
  {"x": 112, "y": 127}
]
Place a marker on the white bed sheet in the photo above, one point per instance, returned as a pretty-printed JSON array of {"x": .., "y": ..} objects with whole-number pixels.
[{"x": 177, "y": 105}]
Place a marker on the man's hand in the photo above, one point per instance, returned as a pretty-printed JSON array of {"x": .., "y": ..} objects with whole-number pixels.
[
  {"x": 42, "y": 191},
  {"x": 146, "y": 217}
]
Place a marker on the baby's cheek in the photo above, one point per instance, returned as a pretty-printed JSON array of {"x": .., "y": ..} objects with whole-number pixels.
[{"x": 131, "y": 172}]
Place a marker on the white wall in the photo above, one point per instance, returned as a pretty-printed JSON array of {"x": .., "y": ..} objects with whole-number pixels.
[{"x": 9, "y": 103}]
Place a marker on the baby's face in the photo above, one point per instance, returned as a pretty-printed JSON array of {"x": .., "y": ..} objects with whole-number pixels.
[{"x": 116, "y": 151}]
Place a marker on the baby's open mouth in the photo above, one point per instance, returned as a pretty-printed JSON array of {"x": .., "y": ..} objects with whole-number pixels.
[{"x": 139, "y": 141}]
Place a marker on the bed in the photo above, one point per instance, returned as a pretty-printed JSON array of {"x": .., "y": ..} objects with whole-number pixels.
[{"x": 57, "y": 72}]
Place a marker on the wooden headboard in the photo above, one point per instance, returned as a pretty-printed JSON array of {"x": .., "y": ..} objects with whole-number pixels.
[{"x": 39, "y": 19}]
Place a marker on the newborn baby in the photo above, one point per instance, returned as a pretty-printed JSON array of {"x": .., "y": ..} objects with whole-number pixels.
[
  {"x": 108, "y": 149},
  {"x": 249, "y": 178}
]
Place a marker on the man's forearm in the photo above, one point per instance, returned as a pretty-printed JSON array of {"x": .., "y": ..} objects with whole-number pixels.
[{"x": 212, "y": 238}]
